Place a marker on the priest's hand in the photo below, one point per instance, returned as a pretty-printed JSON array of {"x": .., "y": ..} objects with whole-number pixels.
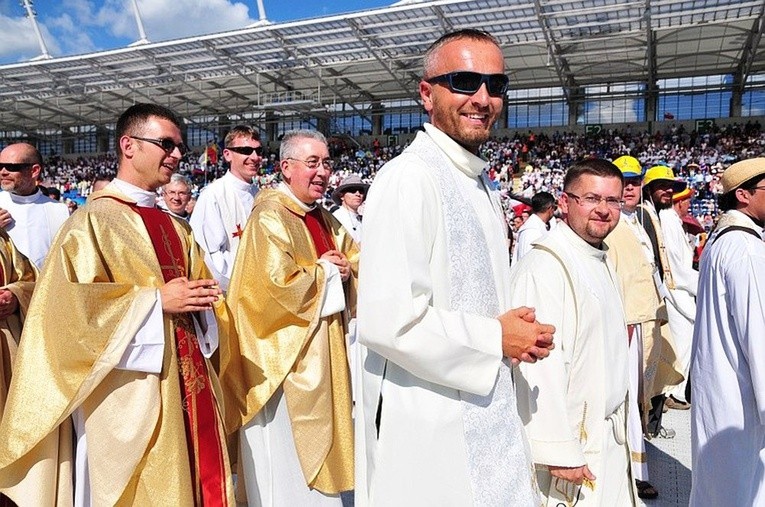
[
  {"x": 338, "y": 259},
  {"x": 9, "y": 303},
  {"x": 577, "y": 475},
  {"x": 181, "y": 295},
  {"x": 523, "y": 338},
  {"x": 5, "y": 218}
]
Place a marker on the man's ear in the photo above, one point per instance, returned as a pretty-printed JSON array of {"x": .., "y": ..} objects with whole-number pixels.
[{"x": 426, "y": 92}]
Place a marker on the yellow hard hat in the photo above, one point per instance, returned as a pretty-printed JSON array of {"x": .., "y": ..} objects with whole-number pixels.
[
  {"x": 663, "y": 173},
  {"x": 629, "y": 166}
]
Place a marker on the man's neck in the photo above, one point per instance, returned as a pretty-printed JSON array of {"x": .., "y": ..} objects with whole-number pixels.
[
  {"x": 26, "y": 192},
  {"x": 350, "y": 209},
  {"x": 746, "y": 212}
]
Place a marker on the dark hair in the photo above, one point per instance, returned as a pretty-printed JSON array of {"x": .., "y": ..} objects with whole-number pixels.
[
  {"x": 241, "y": 131},
  {"x": 542, "y": 202},
  {"x": 467, "y": 33},
  {"x": 135, "y": 117},
  {"x": 729, "y": 201},
  {"x": 594, "y": 166}
]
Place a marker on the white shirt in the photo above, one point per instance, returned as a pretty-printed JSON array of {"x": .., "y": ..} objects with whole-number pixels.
[{"x": 36, "y": 220}]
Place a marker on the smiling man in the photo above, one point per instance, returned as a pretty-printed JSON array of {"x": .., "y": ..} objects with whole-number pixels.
[
  {"x": 286, "y": 377},
  {"x": 438, "y": 424},
  {"x": 176, "y": 196},
  {"x": 224, "y": 205},
  {"x": 114, "y": 347},
  {"x": 573, "y": 404},
  {"x": 30, "y": 218}
]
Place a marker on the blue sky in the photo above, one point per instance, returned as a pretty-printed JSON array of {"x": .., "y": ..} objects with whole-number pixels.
[{"x": 72, "y": 27}]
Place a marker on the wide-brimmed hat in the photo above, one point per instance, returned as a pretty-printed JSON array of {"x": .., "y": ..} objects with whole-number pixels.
[
  {"x": 352, "y": 181},
  {"x": 629, "y": 166},
  {"x": 663, "y": 173},
  {"x": 741, "y": 172}
]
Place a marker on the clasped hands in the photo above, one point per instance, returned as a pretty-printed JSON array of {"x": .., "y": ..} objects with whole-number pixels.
[
  {"x": 338, "y": 259},
  {"x": 181, "y": 295},
  {"x": 523, "y": 338}
]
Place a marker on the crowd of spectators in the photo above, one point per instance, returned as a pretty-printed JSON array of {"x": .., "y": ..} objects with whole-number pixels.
[{"x": 520, "y": 166}]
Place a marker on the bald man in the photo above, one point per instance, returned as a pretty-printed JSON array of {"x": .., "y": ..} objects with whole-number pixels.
[{"x": 30, "y": 218}]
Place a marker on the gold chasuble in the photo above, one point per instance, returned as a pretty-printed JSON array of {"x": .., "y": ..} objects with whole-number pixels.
[
  {"x": 98, "y": 287},
  {"x": 17, "y": 275},
  {"x": 275, "y": 298}
]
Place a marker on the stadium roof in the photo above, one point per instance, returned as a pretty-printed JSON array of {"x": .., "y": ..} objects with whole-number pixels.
[{"x": 374, "y": 55}]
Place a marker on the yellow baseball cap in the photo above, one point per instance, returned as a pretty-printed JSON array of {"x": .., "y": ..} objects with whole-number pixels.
[
  {"x": 629, "y": 166},
  {"x": 663, "y": 173}
]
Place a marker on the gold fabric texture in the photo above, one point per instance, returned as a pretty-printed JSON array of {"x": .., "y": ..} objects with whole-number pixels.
[
  {"x": 274, "y": 301},
  {"x": 98, "y": 286}
]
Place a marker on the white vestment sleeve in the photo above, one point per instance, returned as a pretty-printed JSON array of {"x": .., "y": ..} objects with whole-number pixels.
[
  {"x": 404, "y": 255},
  {"x": 525, "y": 237},
  {"x": 210, "y": 233},
  {"x": 333, "y": 299},
  {"x": 206, "y": 327},
  {"x": 146, "y": 350},
  {"x": 745, "y": 283},
  {"x": 543, "y": 386}
]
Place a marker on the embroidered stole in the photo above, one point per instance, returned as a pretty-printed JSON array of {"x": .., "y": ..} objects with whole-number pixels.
[{"x": 200, "y": 413}]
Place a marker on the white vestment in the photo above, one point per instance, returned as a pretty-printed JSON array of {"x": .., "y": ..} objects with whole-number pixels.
[
  {"x": 573, "y": 403},
  {"x": 532, "y": 229},
  {"x": 728, "y": 369},
  {"x": 681, "y": 305},
  {"x": 433, "y": 279},
  {"x": 350, "y": 220},
  {"x": 218, "y": 220},
  {"x": 36, "y": 220}
]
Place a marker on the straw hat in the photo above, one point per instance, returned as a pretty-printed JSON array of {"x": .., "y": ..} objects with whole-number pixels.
[{"x": 741, "y": 172}]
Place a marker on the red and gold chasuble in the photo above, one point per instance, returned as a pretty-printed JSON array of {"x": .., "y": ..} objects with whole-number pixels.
[{"x": 201, "y": 417}]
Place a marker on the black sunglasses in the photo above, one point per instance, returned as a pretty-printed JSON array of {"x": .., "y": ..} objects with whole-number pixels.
[
  {"x": 15, "y": 167},
  {"x": 246, "y": 150},
  {"x": 167, "y": 144},
  {"x": 470, "y": 82}
]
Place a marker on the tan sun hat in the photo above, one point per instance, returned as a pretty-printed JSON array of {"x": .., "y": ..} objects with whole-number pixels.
[{"x": 741, "y": 172}]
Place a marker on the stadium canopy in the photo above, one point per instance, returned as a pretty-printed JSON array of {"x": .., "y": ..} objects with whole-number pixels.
[{"x": 374, "y": 56}]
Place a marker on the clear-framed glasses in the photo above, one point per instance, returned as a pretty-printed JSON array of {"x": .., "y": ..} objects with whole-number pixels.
[
  {"x": 315, "y": 162},
  {"x": 165, "y": 143},
  {"x": 470, "y": 82},
  {"x": 591, "y": 200}
]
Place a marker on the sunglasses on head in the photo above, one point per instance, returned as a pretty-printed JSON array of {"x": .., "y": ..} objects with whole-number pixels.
[
  {"x": 470, "y": 82},
  {"x": 167, "y": 144},
  {"x": 15, "y": 167},
  {"x": 246, "y": 150}
]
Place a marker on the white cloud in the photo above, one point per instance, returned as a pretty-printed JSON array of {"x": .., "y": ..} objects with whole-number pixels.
[{"x": 18, "y": 41}]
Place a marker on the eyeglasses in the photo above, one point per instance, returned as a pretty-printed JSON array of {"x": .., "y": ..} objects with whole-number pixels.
[
  {"x": 470, "y": 82},
  {"x": 314, "y": 163},
  {"x": 590, "y": 201},
  {"x": 246, "y": 150},
  {"x": 167, "y": 144},
  {"x": 15, "y": 167}
]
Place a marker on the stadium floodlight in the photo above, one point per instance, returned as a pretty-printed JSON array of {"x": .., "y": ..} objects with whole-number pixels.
[
  {"x": 139, "y": 22},
  {"x": 44, "y": 55}
]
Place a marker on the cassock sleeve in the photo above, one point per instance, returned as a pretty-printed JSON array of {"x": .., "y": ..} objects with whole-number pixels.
[
  {"x": 537, "y": 281},
  {"x": 397, "y": 316},
  {"x": 745, "y": 285}
]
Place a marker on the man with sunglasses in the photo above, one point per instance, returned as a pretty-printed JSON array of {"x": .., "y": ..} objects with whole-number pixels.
[
  {"x": 34, "y": 218},
  {"x": 223, "y": 206},
  {"x": 437, "y": 424},
  {"x": 113, "y": 394},
  {"x": 573, "y": 403}
]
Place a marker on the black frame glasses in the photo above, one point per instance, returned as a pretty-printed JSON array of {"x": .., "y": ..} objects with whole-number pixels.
[
  {"x": 165, "y": 143},
  {"x": 246, "y": 150},
  {"x": 15, "y": 167},
  {"x": 470, "y": 82}
]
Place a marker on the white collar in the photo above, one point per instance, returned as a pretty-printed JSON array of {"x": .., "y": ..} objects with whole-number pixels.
[
  {"x": 467, "y": 162},
  {"x": 144, "y": 198},
  {"x": 237, "y": 183},
  {"x": 580, "y": 244},
  {"x": 283, "y": 187},
  {"x": 25, "y": 199}
]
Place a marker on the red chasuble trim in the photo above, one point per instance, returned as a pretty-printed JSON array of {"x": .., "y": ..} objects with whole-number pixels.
[
  {"x": 200, "y": 413},
  {"x": 317, "y": 228}
]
